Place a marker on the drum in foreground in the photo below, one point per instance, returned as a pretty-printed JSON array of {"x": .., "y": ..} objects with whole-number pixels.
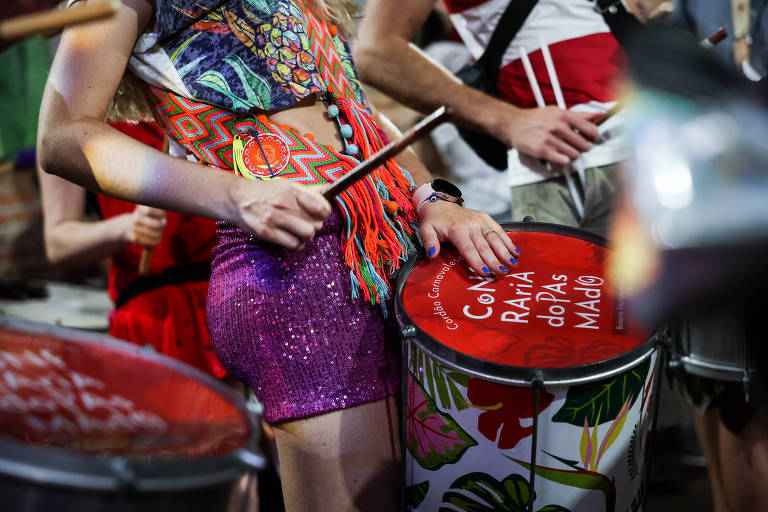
[
  {"x": 530, "y": 391},
  {"x": 91, "y": 423},
  {"x": 715, "y": 346}
]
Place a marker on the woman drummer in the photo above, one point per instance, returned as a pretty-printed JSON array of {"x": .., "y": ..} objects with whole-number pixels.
[{"x": 298, "y": 286}]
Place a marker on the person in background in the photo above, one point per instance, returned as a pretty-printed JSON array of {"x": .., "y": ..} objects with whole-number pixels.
[
  {"x": 165, "y": 308},
  {"x": 746, "y": 48},
  {"x": 731, "y": 421},
  {"x": 588, "y": 60}
]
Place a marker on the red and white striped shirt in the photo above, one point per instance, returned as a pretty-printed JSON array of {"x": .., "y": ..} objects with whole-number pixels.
[{"x": 586, "y": 56}]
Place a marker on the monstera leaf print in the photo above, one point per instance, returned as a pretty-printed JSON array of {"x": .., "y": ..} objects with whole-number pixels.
[
  {"x": 415, "y": 494},
  {"x": 439, "y": 381},
  {"x": 602, "y": 401},
  {"x": 433, "y": 438},
  {"x": 480, "y": 492},
  {"x": 504, "y": 407}
]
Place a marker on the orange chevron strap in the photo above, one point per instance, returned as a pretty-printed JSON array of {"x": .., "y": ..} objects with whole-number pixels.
[{"x": 380, "y": 216}]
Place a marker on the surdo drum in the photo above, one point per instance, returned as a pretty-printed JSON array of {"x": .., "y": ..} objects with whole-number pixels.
[
  {"x": 715, "y": 346},
  {"x": 530, "y": 391},
  {"x": 88, "y": 422}
]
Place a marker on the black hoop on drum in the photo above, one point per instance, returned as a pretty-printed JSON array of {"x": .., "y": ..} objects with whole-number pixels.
[
  {"x": 41, "y": 473},
  {"x": 536, "y": 378},
  {"x": 485, "y": 369}
]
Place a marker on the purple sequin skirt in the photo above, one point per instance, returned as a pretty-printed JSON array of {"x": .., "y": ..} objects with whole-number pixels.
[{"x": 285, "y": 323}]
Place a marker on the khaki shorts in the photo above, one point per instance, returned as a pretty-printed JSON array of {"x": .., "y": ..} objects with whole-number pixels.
[{"x": 550, "y": 200}]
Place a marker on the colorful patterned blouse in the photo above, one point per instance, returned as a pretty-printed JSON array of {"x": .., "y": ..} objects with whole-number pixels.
[
  {"x": 239, "y": 55},
  {"x": 211, "y": 61}
]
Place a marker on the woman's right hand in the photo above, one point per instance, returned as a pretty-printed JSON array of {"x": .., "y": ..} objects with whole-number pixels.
[
  {"x": 280, "y": 212},
  {"x": 144, "y": 226}
]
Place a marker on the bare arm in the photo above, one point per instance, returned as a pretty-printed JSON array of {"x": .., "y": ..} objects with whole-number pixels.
[
  {"x": 75, "y": 143},
  {"x": 479, "y": 239},
  {"x": 386, "y": 59},
  {"x": 72, "y": 241}
]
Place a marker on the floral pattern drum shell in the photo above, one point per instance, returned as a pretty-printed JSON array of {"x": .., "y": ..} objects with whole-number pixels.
[{"x": 470, "y": 403}]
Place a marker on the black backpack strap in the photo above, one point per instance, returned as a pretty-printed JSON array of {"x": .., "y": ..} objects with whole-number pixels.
[
  {"x": 509, "y": 25},
  {"x": 622, "y": 23}
]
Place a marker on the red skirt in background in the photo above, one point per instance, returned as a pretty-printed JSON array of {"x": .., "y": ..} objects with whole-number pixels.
[
  {"x": 171, "y": 319},
  {"x": 166, "y": 307}
]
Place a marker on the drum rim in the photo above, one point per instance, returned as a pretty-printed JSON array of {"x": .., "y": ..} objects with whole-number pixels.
[
  {"x": 518, "y": 375},
  {"x": 66, "y": 467}
]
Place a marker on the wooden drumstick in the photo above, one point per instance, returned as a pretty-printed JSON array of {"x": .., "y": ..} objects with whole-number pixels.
[
  {"x": 716, "y": 37},
  {"x": 608, "y": 114},
  {"x": 55, "y": 19},
  {"x": 365, "y": 167},
  {"x": 146, "y": 254}
]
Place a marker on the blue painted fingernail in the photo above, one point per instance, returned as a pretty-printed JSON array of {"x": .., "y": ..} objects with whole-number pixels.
[
  {"x": 503, "y": 268},
  {"x": 517, "y": 251},
  {"x": 486, "y": 270},
  {"x": 431, "y": 251},
  {"x": 513, "y": 261}
]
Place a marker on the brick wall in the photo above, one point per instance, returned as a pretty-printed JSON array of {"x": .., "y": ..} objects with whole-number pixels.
[{"x": 22, "y": 254}]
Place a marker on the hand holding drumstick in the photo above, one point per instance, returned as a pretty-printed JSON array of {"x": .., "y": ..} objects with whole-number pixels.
[{"x": 144, "y": 226}]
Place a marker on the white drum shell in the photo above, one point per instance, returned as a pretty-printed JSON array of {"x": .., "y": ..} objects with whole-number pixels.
[{"x": 621, "y": 461}]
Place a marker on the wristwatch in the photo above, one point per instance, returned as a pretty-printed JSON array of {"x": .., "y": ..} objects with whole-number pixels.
[{"x": 440, "y": 189}]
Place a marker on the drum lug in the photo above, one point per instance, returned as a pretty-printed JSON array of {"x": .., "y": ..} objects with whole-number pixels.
[
  {"x": 664, "y": 339},
  {"x": 124, "y": 474},
  {"x": 252, "y": 461},
  {"x": 408, "y": 331},
  {"x": 747, "y": 383}
]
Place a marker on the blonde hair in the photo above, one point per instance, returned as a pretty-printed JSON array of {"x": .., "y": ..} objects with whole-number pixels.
[
  {"x": 130, "y": 101},
  {"x": 340, "y": 12}
]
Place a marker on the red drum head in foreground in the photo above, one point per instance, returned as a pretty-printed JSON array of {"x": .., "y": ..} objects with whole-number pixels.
[
  {"x": 92, "y": 397},
  {"x": 555, "y": 309}
]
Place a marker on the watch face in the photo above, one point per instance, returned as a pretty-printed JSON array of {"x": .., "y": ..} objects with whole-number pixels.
[{"x": 446, "y": 187}]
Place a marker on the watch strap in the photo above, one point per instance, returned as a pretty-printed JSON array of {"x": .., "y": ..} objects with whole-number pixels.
[{"x": 426, "y": 193}]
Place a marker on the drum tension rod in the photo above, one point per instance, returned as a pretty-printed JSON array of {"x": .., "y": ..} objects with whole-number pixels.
[{"x": 536, "y": 384}]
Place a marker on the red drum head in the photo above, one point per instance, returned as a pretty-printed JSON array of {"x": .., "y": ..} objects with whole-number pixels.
[
  {"x": 556, "y": 309},
  {"x": 91, "y": 393}
]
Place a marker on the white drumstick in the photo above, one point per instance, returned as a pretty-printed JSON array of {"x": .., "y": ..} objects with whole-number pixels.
[
  {"x": 540, "y": 102},
  {"x": 561, "y": 103},
  {"x": 531, "y": 78}
]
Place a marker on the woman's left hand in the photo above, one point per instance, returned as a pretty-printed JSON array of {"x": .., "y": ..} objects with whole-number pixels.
[{"x": 479, "y": 239}]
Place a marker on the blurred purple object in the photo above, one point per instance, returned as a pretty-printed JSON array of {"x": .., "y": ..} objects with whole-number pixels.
[{"x": 26, "y": 158}]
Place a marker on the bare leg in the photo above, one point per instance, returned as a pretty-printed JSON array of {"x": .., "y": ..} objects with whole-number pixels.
[
  {"x": 744, "y": 463},
  {"x": 344, "y": 460},
  {"x": 707, "y": 427}
]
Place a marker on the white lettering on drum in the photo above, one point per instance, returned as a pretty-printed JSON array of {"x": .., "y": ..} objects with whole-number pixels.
[
  {"x": 53, "y": 399},
  {"x": 433, "y": 292}
]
